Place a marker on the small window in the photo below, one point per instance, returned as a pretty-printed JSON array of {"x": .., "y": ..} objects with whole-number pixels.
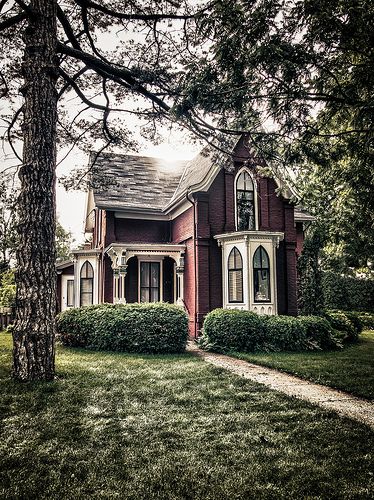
[
  {"x": 245, "y": 202},
  {"x": 261, "y": 275},
  {"x": 70, "y": 293},
  {"x": 149, "y": 282},
  {"x": 235, "y": 270},
  {"x": 87, "y": 275}
]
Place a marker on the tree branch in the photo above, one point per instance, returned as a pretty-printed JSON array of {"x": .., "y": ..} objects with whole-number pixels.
[
  {"x": 131, "y": 17},
  {"x": 11, "y": 21},
  {"x": 111, "y": 72}
]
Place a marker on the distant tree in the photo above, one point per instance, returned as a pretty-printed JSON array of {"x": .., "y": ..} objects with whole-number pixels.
[
  {"x": 7, "y": 288},
  {"x": 64, "y": 241},
  {"x": 310, "y": 300},
  {"x": 8, "y": 239}
]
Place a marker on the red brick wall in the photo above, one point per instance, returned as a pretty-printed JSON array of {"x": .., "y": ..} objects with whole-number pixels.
[
  {"x": 142, "y": 231},
  {"x": 299, "y": 238},
  {"x": 182, "y": 227},
  {"x": 182, "y": 230}
]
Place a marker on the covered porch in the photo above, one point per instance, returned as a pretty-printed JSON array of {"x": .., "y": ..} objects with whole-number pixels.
[{"x": 147, "y": 272}]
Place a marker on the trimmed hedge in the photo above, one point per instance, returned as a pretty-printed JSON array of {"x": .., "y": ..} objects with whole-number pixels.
[
  {"x": 347, "y": 293},
  {"x": 245, "y": 331},
  {"x": 233, "y": 330},
  {"x": 137, "y": 328}
]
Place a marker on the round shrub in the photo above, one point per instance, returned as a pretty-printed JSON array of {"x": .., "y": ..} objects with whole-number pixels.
[
  {"x": 137, "y": 328},
  {"x": 285, "y": 333},
  {"x": 233, "y": 330},
  {"x": 344, "y": 327}
]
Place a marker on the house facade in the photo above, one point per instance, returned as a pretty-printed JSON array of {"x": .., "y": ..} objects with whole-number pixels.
[{"x": 200, "y": 234}]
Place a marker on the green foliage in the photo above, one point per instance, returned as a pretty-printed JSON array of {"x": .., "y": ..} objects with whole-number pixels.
[
  {"x": 64, "y": 241},
  {"x": 245, "y": 331},
  {"x": 349, "y": 369},
  {"x": 310, "y": 299},
  {"x": 347, "y": 325},
  {"x": 346, "y": 292},
  {"x": 7, "y": 289},
  {"x": 233, "y": 330},
  {"x": 367, "y": 320},
  {"x": 140, "y": 328}
]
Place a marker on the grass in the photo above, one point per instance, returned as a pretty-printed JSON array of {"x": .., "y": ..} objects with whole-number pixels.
[
  {"x": 173, "y": 427},
  {"x": 350, "y": 369}
]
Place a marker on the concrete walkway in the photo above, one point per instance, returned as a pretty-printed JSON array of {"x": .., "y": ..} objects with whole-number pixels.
[{"x": 330, "y": 399}]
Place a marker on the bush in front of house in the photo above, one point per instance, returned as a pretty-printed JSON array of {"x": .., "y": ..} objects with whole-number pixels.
[
  {"x": 319, "y": 333},
  {"x": 137, "y": 328},
  {"x": 233, "y": 330},
  {"x": 347, "y": 325}
]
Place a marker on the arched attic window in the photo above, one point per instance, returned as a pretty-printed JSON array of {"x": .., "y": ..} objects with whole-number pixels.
[
  {"x": 235, "y": 270},
  {"x": 261, "y": 275},
  {"x": 86, "y": 288},
  {"x": 245, "y": 202}
]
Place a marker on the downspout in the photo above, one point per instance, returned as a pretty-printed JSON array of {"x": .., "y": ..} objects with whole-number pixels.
[{"x": 193, "y": 203}]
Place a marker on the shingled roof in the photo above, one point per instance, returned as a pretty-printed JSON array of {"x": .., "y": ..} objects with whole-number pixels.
[
  {"x": 153, "y": 184},
  {"x": 135, "y": 182}
]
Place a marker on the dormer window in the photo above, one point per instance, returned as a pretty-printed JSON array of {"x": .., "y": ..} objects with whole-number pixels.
[{"x": 245, "y": 202}]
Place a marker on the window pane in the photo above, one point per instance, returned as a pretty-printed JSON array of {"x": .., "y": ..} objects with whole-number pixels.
[
  {"x": 144, "y": 295},
  {"x": 262, "y": 285},
  {"x": 155, "y": 274},
  {"x": 236, "y": 286},
  {"x": 86, "y": 285},
  {"x": 257, "y": 258},
  {"x": 246, "y": 213},
  {"x": 264, "y": 259},
  {"x": 70, "y": 293},
  {"x": 155, "y": 295},
  {"x": 87, "y": 270},
  {"x": 144, "y": 274}
]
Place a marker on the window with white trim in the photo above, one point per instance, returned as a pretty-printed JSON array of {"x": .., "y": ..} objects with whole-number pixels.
[
  {"x": 86, "y": 288},
  {"x": 235, "y": 276},
  {"x": 261, "y": 275},
  {"x": 70, "y": 293},
  {"x": 245, "y": 202},
  {"x": 149, "y": 281}
]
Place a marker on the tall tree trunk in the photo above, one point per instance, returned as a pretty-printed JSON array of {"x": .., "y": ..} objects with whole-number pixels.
[{"x": 33, "y": 337}]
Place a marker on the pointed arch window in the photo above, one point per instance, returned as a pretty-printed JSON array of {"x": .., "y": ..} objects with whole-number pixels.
[
  {"x": 261, "y": 275},
  {"x": 245, "y": 202},
  {"x": 86, "y": 288},
  {"x": 235, "y": 270}
]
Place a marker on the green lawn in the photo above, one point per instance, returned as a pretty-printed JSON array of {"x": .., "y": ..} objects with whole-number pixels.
[
  {"x": 350, "y": 369},
  {"x": 172, "y": 427}
]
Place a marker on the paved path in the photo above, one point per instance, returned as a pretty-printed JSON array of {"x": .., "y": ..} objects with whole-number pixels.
[{"x": 343, "y": 403}]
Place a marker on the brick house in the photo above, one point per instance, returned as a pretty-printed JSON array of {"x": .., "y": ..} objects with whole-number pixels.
[{"x": 197, "y": 233}]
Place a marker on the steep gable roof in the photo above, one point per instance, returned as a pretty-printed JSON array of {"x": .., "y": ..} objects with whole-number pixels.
[{"x": 135, "y": 181}]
